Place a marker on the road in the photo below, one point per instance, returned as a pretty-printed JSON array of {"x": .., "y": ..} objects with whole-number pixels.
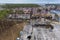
[
  {"x": 39, "y": 33},
  {"x": 45, "y": 34},
  {"x": 42, "y": 33}
]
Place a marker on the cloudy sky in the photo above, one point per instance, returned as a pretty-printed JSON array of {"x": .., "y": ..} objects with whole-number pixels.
[{"x": 30, "y": 1}]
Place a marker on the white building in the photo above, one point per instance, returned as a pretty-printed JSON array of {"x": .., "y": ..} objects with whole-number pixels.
[{"x": 56, "y": 14}]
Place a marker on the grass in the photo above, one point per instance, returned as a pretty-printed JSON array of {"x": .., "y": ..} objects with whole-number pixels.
[{"x": 12, "y": 33}]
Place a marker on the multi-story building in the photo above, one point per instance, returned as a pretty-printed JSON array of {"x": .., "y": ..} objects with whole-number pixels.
[{"x": 23, "y": 12}]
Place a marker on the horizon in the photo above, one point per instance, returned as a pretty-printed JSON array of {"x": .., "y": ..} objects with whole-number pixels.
[{"x": 29, "y": 1}]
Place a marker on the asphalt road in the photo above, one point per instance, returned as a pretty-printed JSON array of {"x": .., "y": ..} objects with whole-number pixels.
[
  {"x": 46, "y": 34},
  {"x": 39, "y": 33}
]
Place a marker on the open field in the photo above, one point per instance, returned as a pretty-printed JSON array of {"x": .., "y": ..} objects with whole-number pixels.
[{"x": 12, "y": 33}]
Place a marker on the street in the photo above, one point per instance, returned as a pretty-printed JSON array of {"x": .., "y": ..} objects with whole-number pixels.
[
  {"x": 45, "y": 34},
  {"x": 39, "y": 33}
]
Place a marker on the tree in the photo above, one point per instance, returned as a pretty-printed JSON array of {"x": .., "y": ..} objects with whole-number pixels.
[{"x": 3, "y": 13}]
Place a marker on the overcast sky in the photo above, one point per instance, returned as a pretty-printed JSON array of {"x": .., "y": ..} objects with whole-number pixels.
[{"x": 30, "y": 1}]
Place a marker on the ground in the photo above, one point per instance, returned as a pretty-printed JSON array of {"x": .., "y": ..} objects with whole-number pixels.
[{"x": 12, "y": 33}]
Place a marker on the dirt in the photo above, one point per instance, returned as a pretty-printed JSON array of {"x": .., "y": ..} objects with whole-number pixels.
[{"x": 12, "y": 33}]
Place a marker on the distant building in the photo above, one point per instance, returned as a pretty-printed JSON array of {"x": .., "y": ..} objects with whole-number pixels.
[
  {"x": 57, "y": 15},
  {"x": 2, "y": 8},
  {"x": 18, "y": 17},
  {"x": 27, "y": 10},
  {"x": 50, "y": 6}
]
